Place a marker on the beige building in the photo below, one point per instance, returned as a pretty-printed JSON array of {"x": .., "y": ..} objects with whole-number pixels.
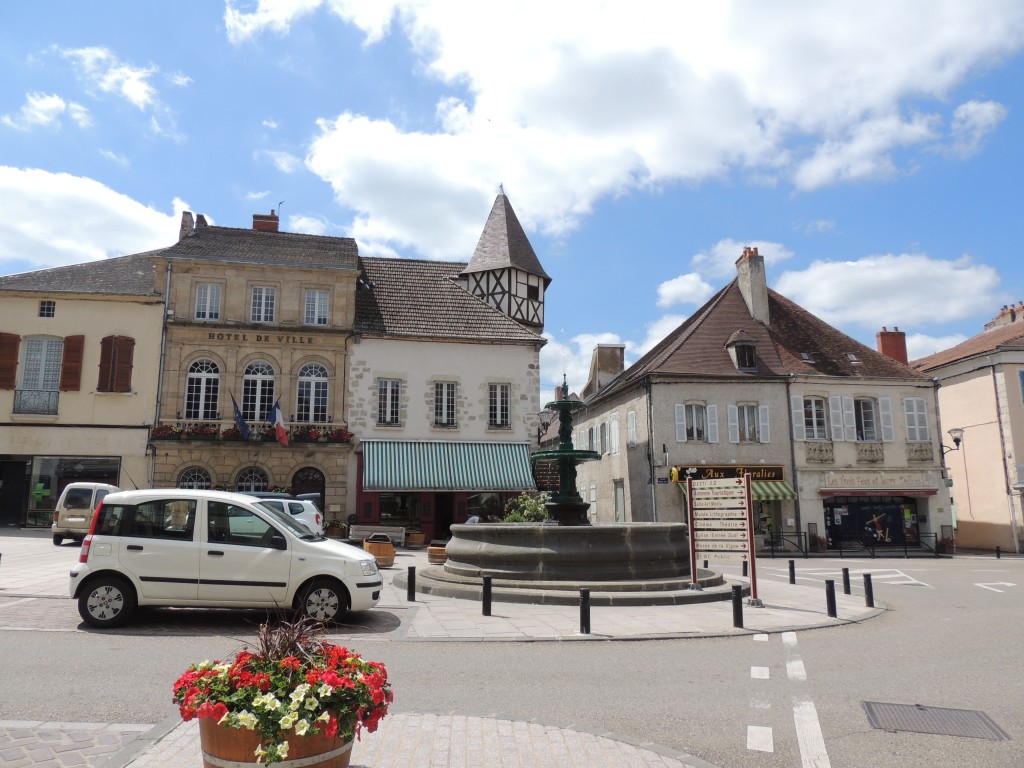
[
  {"x": 79, "y": 365},
  {"x": 840, "y": 440},
  {"x": 444, "y": 381},
  {"x": 981, "y": 399},
  {"x": 255, "y": 317}
]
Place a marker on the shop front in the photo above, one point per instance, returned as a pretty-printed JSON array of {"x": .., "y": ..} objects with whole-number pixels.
[
  {"x": 876, "y": 518},
  {"x": 31, "y": 485},
  {"x": 427, "y": 486}
]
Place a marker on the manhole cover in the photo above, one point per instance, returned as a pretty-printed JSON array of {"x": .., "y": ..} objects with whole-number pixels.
[{"x": 942, "y": 722}]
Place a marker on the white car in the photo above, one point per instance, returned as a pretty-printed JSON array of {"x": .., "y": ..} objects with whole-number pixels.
[
  {"x": 211, "y": 549},
  {"x": 305, "y": 512},
  {"x": 73, "y": 513}
]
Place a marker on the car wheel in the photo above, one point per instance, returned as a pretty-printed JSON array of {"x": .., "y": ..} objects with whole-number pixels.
[
  {"x": 106, "y": 602},
  {"x": 324, "y": 600},
  {"x": 57, "y": 539}
]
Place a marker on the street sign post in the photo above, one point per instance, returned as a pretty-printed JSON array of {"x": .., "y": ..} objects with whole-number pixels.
[{"x": 721, "y": 524}]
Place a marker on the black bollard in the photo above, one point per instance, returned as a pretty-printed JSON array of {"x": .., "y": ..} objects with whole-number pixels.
[
  {"x": 584, "y": 611},
  {"x": 830, "y": 597},
  {"x": 792, "y": 572},
  {"x": 487, "y": 595},
  {"x": 846, "y": 581},
  {"x": 410, "y": 589},
  {"x": 869, "y": 591},
  {"x": 737, "y": 606},
  {"x": 705, "y": 565},
  {"x": 745, "y": 566},
  {"x": 999, "y": 553}
]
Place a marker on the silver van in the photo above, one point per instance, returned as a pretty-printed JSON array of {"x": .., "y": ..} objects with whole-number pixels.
[{"x": 73, "y": 513}]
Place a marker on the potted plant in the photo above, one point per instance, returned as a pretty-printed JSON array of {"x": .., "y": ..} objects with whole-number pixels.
[
  {"x": 305, "y": 434},
  {"x": 946, "y": 544},
  {"x": 266, "y": 433},
  {"x": 164, "y": 431},
  {"x": 335, "y": 529},
  {"x": 231, "y": 433},
  {"x": 202, "y": 430},
  {"x": 337, "y": 435},
  {"x": 293, "y": 696}
]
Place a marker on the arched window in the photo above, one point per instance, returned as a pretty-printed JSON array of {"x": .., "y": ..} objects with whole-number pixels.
[
  {"x": 251, "y": 479},
  {"x": 257, "y": 391},
  {"x": 194, "y": 477},
  {"x": 202, "y": 390},
  {"x": 311, "y": 402}
]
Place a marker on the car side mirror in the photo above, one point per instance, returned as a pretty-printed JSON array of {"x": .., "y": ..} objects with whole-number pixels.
[{"x": 277, "y": 542}]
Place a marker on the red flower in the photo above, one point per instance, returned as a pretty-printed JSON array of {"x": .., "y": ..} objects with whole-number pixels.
[
  {"x": 331, "y": 728},
  {"x": 290, "y": 662}
]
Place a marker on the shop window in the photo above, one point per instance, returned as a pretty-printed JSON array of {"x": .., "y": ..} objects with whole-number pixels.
[{"x": 400, "y": 509}]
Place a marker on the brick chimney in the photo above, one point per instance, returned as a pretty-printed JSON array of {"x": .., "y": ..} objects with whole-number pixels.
[
  {"x": 753, "y": 284},
  {"x": 892, "y": 344},
  {"x": 187, "y": 223},
  {"x": 264, "y": 223}
]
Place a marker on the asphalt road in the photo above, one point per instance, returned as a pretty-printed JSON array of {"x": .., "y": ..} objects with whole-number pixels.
[{"x": 946, "y": 642}]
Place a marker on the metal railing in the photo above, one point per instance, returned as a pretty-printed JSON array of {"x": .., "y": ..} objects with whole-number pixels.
[
  {"x": 784, "y": 543},
  {"x": 36, "y": 401}
]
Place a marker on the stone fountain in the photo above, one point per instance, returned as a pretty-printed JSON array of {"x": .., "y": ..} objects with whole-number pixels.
[{"x": 620, "y": 563}]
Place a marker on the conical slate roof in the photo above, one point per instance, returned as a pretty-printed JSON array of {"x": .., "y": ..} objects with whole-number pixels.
[{"x": 504, "y": 244}]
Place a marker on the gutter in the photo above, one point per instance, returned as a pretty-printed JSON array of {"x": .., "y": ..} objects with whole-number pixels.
[{"x": 150, "y": 448}]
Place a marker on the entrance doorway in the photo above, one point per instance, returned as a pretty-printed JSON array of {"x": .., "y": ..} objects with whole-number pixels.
[
  {"x": 13, "y": 496},
  {"x": 444, "y": 507},
  {"x": 309, "y": 480}
]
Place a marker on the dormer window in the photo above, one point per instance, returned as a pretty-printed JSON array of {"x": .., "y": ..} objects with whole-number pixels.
[
  {"x": 852, "y": 358},
  {"x": 806, "y": 357},
  {"x": 743, "y": 351}
]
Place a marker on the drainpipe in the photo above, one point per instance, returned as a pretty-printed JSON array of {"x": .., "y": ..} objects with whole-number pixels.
[
  {"x": 1006, "y": 469},
  {"x": 650, "y": 451},
  {"x": 792, "y": 454},
  {"x": 160, "y": 374}
]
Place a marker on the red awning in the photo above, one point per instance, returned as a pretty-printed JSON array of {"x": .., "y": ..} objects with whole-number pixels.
[{"x": 827, "y": 492}]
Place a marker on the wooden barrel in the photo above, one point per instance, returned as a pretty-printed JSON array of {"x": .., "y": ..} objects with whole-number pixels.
[
  {"x": 414, "y": 539},
  {"x": 223, "y": 746},
  {"x": 436, "y": 555},
  {"x": 384, "y": 551}
]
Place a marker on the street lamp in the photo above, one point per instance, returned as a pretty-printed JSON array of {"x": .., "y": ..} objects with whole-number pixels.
[{"x": 957, "y": 435}]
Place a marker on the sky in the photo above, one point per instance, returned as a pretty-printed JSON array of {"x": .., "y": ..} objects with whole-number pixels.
[{"x": 869, "y": 150}]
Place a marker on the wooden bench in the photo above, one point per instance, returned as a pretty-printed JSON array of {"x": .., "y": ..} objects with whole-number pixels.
[{"x": 361, "y": 532}]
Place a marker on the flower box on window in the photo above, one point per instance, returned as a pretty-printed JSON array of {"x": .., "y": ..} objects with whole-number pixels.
[
  {"x": 305, "y": 434},
  {"x": 337, "y": 435},
  {"x": 202, "y": 431},
  {"x": 166, "y": 432}
]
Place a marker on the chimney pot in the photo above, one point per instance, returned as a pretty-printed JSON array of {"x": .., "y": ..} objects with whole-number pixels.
[
  {"x": 187, "y": 224},
  {"x": 261, "y": 222},
  {"x": 892, "y": 344}
]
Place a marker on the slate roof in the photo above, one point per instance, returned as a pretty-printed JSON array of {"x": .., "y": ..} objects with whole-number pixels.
[
  {"x": 257, "y": 247},
  {"x": 503, "y": 244},
  {"x": 1010, "y": 336},
  {"x": 416, "y": 298},
  {"x": 697, "y": 348},
  {"x": 121, "y": 276}
]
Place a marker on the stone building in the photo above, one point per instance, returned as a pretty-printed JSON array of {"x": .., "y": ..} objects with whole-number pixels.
[
  {"x": 981, "y": 399},
  {"x": 444, "y": 381},
  {"x": 255, "y": 318},
  {"x": 79, "y": 362},
  {"x": 840, "y": 440}
]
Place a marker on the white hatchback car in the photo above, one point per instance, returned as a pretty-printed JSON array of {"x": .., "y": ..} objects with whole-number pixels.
[
  {"x": 305, "y": 512},
  {"x": 211, "y": 549}
]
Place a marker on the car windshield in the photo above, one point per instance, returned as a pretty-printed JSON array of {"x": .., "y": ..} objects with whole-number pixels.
[{"x": 293, "y": 524}]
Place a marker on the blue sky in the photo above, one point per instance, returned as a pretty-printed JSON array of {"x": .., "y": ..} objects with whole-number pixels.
[{"x": 872, "y": 152}]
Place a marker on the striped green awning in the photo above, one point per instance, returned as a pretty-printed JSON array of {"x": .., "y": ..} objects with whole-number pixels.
[
  {"x": 771, "y": 490},
  {"x": 391, "y": 465}
]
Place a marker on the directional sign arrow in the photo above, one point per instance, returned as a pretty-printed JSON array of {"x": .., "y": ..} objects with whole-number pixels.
[{"x": 993, "y": 584}]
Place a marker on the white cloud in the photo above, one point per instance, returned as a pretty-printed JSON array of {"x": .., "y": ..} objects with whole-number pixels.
[
  {"x": 53, "y": 219},
  {"x": 919, "y": 345},
  {"x": 819, "y": 227},
  {"x": 972, "y": 121},
  {"x": 892, "y": 289},
  {"x": 180, "y": 79},
  {"x": 44, "y": 110},
  {"x": 720, "y": 259},
  {"x": 283, "y": 161},
  {"x": 309, "y": 225},
  {"x": 685, "y": 289},
  {"x": 257, "y": 195},
  {"x": 271, "y": 124},
  {"x": 114, "y": 157},
  {"x": 656, "y": 331},
  {"x": 610, "y": 98}
]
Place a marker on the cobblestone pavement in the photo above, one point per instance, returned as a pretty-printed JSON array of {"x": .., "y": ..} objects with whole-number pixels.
[{"x": 39, "y": 744}]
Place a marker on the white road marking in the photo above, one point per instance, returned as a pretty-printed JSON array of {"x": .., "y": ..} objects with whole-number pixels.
[
  {"x": 761, "y": 637},
  {"x": 808, "y": 736},
  {"x": 993, "y": 584},
  {"x": 759, "y": 673},
  {"x": 789, "y": 638},
  {"x": 795, "y": 669},
  {"x": 760, "y": 738}
]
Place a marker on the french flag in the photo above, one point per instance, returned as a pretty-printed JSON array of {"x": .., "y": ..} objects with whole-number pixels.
[{"x": 276, "y": 418}]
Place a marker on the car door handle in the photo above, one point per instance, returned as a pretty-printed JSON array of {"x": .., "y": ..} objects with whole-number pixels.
[
  {"x": 215, "y": 553},
  {"x": 134, "y": 547}
]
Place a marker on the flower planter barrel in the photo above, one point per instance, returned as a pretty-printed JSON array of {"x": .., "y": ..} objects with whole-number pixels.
[
  {"x": 414, "y": 539},
  {"x": 437, "y": 555},
  {"x": 380, "y": 546},
  {"x": 234, "y": 747}
]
